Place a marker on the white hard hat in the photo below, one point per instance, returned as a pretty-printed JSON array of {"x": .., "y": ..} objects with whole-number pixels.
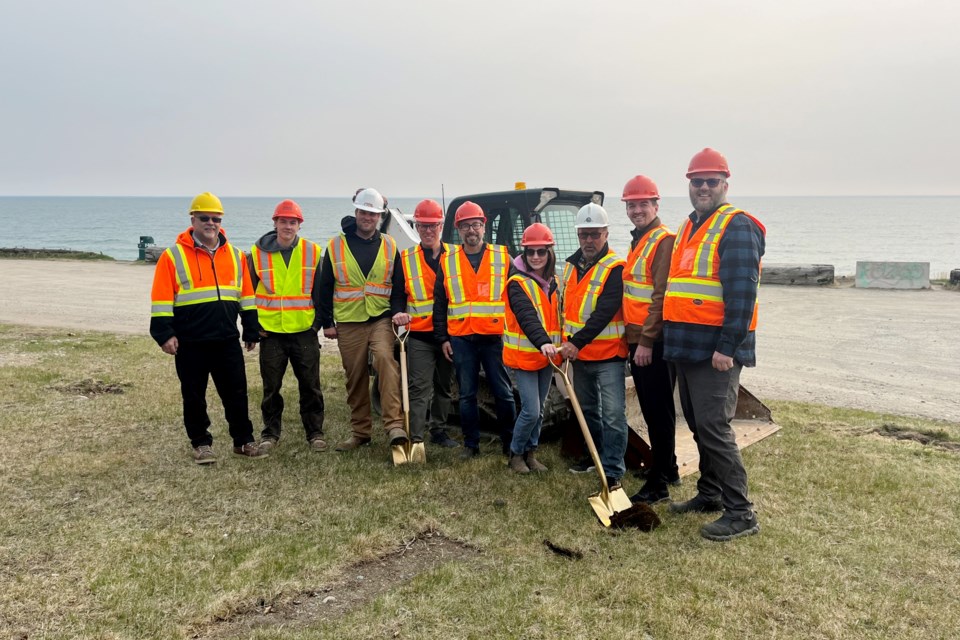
[
  {"x": 369, "y": 200},
  {"x": 591, "y": 216}
]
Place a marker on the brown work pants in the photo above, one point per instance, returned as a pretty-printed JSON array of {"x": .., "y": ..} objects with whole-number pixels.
[{"x": 355, "y": 340}]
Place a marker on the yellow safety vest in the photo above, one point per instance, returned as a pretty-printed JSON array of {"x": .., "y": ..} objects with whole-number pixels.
[
  {"x": 357, "y": 298},
  {"x": 284, "y": 303}
]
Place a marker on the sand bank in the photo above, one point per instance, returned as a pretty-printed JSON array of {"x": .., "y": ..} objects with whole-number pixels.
[{"x": 892, "y": 351}]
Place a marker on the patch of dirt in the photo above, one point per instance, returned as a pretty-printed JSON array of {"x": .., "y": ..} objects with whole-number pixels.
[
  {"x": 359, "y": 584},
  {"x": 92, "y": 387},
  {"x": 901, "y": 433}
]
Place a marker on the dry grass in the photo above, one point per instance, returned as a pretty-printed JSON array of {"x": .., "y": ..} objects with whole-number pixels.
[{"x": 110, "y": 531}]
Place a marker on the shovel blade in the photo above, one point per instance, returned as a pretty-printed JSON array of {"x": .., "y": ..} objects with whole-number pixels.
[
  {"x": 418, "y": 453},
  {"x": 400, "y": 455},
  {"x": 605, "y": 507}
]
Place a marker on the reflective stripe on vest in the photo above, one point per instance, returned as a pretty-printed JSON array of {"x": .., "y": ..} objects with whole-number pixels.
[
  {"x": 283, "y": 294},
  {"x": 475, "y": 299},
  {"x": 357, "y": 298},
  {"x": 580, "y": 301},
  {"x": 420, "y": 280},
  {"x": 637, "y": 276},
  {"x": 187, "y": 291},
  {"x": 694, "y": 292},
  {"x": 518, "y": 351}
]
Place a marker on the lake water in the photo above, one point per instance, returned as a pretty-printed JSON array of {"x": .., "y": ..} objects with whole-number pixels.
[{"x": 825, "y": 230}]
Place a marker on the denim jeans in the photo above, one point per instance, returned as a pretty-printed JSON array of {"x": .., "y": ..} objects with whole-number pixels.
[
  {"x": 469, "y": 354},
  {"x": 533, "y": 387},
  {"x": 600, "y": 390}
]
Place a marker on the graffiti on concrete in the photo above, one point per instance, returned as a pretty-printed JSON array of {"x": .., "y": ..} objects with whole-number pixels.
[{"x": 893, "y": 275}]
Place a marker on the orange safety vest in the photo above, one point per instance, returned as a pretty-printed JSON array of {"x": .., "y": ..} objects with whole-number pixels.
[
  {"x": 284, "y": 302},
  {"x": 194, "y": 281},
  {"x": 694, "y": 293},
  {"x": 420, "y": 279},
  {"x": 357, "y": 298},
  {"x": 518, "y": 351},
  {"x": 580, "y": 301},
  {"x": 475, "y": 298},
  {"x": 638, "y": 275}
]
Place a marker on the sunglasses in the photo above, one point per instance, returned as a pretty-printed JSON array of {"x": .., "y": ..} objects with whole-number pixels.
[
  {"x": 593, "y": 235},
  {"x": 713, "y": 183},
  {"x": 530, "y": 251},
  {"x": 214, "y": 219}
]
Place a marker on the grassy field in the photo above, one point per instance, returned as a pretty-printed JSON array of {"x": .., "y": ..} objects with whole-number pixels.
[{"x": 110, "y": 531}]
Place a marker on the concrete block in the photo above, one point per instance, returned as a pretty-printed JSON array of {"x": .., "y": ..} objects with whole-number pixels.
[{"x": 893, "y": 275}]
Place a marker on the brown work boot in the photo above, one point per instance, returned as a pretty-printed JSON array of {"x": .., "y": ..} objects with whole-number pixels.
[
  {"x": 533, "y": 463},
  {"x": 353, "y": 442},
  {"x": 204, "y": 454},
  {"x": 397, "y": 436},
  {"x": 318, "y": 444},
  {"x": 518, "y": 465},
  {"x": 250, "y": 450}
]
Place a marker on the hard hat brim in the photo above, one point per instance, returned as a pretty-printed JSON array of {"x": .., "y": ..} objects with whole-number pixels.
[
  {"x": 590, "y": 225},
  {"x": 368, "y": 209}
]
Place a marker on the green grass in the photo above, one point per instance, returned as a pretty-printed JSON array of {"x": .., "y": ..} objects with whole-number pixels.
[
  {"x": 110, "y": 531},
  {"x": 50, "y": 254}
]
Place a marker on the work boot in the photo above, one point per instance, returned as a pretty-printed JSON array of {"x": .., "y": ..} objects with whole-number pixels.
[
  {"x": 651, "y": 494},
  {"x": 397, "y": 436},
  {"x": 584, "y": 466},
  {"x": 613, "y": 484},
  {"x": 697, "y": 504},
  {"x": 250, "y": 450},
  {"x": 517, "y": 464},
  {"x": 469, "y": 453},
  {"x": 267, "y": 444},
  {"x": 204, "y": 454},
  {"x": 672, "y": 479},
  {"x": 318, "y": 444},
  {"x": 353, "y": 442},
  {"x": 728, "y": 527},
  {"x": 532, "y": 463},
  {"x": 442, "y": 439}
]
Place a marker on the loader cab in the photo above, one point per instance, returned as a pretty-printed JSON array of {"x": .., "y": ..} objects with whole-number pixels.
[{"x": 510, "y": 212}]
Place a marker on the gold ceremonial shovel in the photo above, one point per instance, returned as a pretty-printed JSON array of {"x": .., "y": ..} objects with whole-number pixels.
[
  {"x": 411, "y": 451},
  {"x": 613, "y": 508}
]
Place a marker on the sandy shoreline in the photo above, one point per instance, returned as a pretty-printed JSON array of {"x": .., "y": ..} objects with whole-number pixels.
[{"x": 891, "y": 351}]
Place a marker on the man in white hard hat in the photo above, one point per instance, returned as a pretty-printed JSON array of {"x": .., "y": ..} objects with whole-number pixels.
[
  {"x": 200, "y": 287},
  {"x": 594, "y": 338},
  {"x": 284, "y": 269},
  {"x": 361, "y": 294},
  {"x": 644, "y": 283},
  {"x": 710, "y": 314}
]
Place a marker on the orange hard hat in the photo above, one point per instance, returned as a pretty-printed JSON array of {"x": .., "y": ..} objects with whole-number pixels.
[
  {"x": 640, "y": 188},
  {"x": 428, "y": 211},
  {"x": 708, "y": 161},
  {"x": 468, "y": 211},
  {"x": 288, "y": 209},
  {"x": 537, "y": 235}
]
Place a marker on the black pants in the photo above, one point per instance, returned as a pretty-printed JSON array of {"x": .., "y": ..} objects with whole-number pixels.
[
  {"x": 655, "y": 384},
  {"x": 302, "y": 351},
  {"x": 221, "y": 360}
]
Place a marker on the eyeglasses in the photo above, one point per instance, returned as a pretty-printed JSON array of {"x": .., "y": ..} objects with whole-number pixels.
[
  {"x": 476, "y": 226},
  {"x": 713, "y": 183},
  {"x": 592, "y": 235},
  {"x": 427, "y": 227},
  {"x": 530, "y": 251},
  {"x": 214, "y": 219}
]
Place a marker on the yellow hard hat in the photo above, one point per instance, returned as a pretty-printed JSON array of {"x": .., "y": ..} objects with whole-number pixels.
[{"x": 208, "y": 202}]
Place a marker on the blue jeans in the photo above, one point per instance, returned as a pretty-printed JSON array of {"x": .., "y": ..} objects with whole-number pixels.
[
  {"x": 533, "y": 387},
  {"x": 469, "y": 354},
  {"x": 600, "y": 389}
]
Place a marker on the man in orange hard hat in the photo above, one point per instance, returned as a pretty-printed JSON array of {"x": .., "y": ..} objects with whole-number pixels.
[
  {"x": 644, "y": 283},
  {"x": 431, "y": 374},
  {"x": 468, "y": 320},
  {"x": 710, "y": 314},
  {"x": 200, "y": 286},
  {"x": 361, "y": 294},
  {"x": 284, "y": 270}
]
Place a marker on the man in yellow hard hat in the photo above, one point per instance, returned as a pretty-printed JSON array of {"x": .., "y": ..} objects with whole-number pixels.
[
  {"x": 361, "y": 294},
  {"x": 284, "y": 268},
  {"x": 710, "y": 314},
  {"x": 200, "y": 286}
]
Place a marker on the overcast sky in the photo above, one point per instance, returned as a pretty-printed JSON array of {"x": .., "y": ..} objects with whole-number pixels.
[{"x": 313, "y": 98}]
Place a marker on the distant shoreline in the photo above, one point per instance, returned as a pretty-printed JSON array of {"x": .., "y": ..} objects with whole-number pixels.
[{"x": 24, "y": 253}]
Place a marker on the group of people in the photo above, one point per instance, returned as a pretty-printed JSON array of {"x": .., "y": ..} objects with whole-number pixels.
[{"x": 681, "y": 308}]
